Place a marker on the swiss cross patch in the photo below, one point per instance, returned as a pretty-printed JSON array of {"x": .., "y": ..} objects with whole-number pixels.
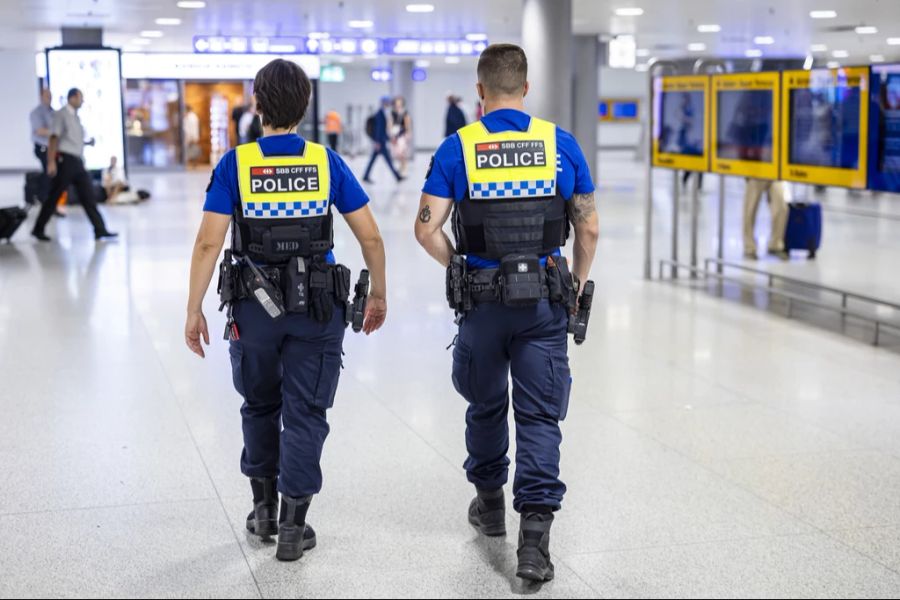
[{"x": 506, "y": 155}]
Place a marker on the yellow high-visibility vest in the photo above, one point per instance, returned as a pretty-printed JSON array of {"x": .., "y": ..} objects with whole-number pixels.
[
  {"x": 510, "y": 164},
  {"x": 283, "y": 187}
]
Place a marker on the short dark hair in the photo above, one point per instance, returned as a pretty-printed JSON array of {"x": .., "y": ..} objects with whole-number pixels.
[
  {"x": 282, "y": 92},
  {"x": 72, "y": 93},
  {"x": 503, "y": 69}
]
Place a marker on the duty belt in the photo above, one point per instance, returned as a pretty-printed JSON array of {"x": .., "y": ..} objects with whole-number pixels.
[{"x": 484, "y": 285}]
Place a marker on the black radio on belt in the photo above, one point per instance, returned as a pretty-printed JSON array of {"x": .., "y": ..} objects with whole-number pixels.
[{"x": 521, "y": 280}]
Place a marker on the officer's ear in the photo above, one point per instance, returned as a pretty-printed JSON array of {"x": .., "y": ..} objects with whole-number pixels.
[
  {"x": 479, "y": 89},
  {"x": 527, "y": 87}
]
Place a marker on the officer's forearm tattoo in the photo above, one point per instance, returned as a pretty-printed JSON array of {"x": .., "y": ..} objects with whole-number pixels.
[
  {"x": 425, "y": 215},
  {"x": 582, "y": 207}
]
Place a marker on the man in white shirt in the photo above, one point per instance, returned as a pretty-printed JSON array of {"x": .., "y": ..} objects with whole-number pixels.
[{"x": 65, "y": 164}]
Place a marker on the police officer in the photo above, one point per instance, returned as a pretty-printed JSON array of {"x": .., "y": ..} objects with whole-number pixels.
[
  {"x": 514, "y": 185},
  {"x": 288, "y": 298}
]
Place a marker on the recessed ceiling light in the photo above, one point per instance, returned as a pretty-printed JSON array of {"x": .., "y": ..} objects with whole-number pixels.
[
  {"x": 764, "y": 40},
  {"x": 476, "y": 37},
  {"x": 168, "y": 21},
  {"x": 319, "y": 35},
  {"x": 642, "y": 52},
  {"x": 140, "y": 42},
  {"x": 711, "y": 28},
  {"x": 697, "y": 47},
  {"x": 840, "y": 54},
  {"x": 420, "y": 8},
  {"x": 753, "y": 53},
  {"x": 833, "y": 64},
  {"x": 893, "y": 41},
  {"x": 629, "y": 11},
  {"x": 360, "y": 24},
  {"x": 823, "y": 14},
  {"x": 152, "y": 33},
  {"x": 452, "y": 60},
  {"x": 876, "y": 58},
  {"x": 866, "y": 30},
  {"x": 818, "y": 48},
  {"x": 642, "y": 68},
  {"x": 422, "y": 63},
  {"x": 191, "y": 4}
]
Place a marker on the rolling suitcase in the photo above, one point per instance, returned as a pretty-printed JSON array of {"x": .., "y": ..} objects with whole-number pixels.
[
  {"x": 804, "y": 227},
  {"x": 10, "y": 220}
]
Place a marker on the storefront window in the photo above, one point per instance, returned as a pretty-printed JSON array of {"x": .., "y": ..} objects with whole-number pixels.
[{"x": 152, "y": 130}]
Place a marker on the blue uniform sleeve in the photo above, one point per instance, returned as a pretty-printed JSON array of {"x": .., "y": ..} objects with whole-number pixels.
[
  {"x": 570, "y": 150},
  {"x": 222, "y": 192},
  {"x": 346, "y": 193},
  {"x": 440, "y": 179}
]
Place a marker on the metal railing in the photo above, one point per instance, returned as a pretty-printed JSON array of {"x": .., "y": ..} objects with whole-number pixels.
[{"x": 791, "y": 297}]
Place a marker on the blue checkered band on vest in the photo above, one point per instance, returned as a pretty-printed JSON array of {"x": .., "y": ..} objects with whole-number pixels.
[
  {"x": 281, "y": 210},
  {"x": 513, "y": 189}
]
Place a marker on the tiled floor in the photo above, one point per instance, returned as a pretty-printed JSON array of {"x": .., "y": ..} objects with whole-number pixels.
[{"x": 711, "y": 448}]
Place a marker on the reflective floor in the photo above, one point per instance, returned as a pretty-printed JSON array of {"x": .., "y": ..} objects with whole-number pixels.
[{"x": 711, "y": 448}]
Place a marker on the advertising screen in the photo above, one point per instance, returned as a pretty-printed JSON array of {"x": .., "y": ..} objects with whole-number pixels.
[
  {"x": 680, "y": 122},
  {"x": 884, "y": 129},
  {"x": 97, "y": 73},
  {"x": 745, "y": 124},
  {"x": 826, "y": 126}
]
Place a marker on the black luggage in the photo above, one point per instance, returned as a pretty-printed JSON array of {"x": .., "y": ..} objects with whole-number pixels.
[{"x": 10, "y": 220}]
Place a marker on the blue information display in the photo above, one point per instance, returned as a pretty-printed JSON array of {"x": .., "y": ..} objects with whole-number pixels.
[
  {"x": 625, "y": 111},
  {"x": 884, "y": 129}
]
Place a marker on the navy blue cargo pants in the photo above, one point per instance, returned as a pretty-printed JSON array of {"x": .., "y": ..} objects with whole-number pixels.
[
  {"x": 287, "y": 371},
  {"x": 494, "y": 341}
]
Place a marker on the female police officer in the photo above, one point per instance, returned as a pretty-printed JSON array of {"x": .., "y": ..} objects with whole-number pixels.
[{"x": 287, "y": 297}]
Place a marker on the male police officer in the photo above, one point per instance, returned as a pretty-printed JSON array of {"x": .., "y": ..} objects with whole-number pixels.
[
  {"x": 514, "y": 184},
  {"x": 287, "y": 299}
]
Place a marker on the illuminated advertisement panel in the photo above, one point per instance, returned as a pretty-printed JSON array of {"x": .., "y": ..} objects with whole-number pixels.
[
  {"x": 824, "y": 133},
  {"x": 681, "y": 122},
  {"x": 884, "y": 129},
  {"x": 745, "y": 124},
  {"x": 97, "y": 73}
]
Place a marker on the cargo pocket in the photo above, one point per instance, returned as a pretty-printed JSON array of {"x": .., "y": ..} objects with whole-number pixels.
[
  {"x": 462, "y": 370},
  {"x": 558, "y": 388},
  {"x": 326, "y": 384}
]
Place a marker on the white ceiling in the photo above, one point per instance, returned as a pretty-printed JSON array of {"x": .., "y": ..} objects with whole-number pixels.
[{"x": 666, "y": 27}]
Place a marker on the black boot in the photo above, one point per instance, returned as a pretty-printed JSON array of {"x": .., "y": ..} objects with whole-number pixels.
[
  {"x": 294, "y": 535},
  {"x": 534, "y": 547},
  {"x": 263, "y": 519},
  {"x": 487, "y": 513}
]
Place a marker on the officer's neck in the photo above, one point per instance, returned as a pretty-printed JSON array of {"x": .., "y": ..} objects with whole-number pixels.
[
  {"x": 267, "y": 131},
  {"x": 492, "y": 104}
]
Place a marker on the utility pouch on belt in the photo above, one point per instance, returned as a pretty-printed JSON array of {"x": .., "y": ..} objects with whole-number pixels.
[
  {"x": 457, "y": 289},
  {"x": 261, "y": 288},
  {"x": 521, "y": 280},
  {"x": 569, "y": 288},
  {"x": 296, "y": 285},
  {"x": 341, "y": 284}
]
